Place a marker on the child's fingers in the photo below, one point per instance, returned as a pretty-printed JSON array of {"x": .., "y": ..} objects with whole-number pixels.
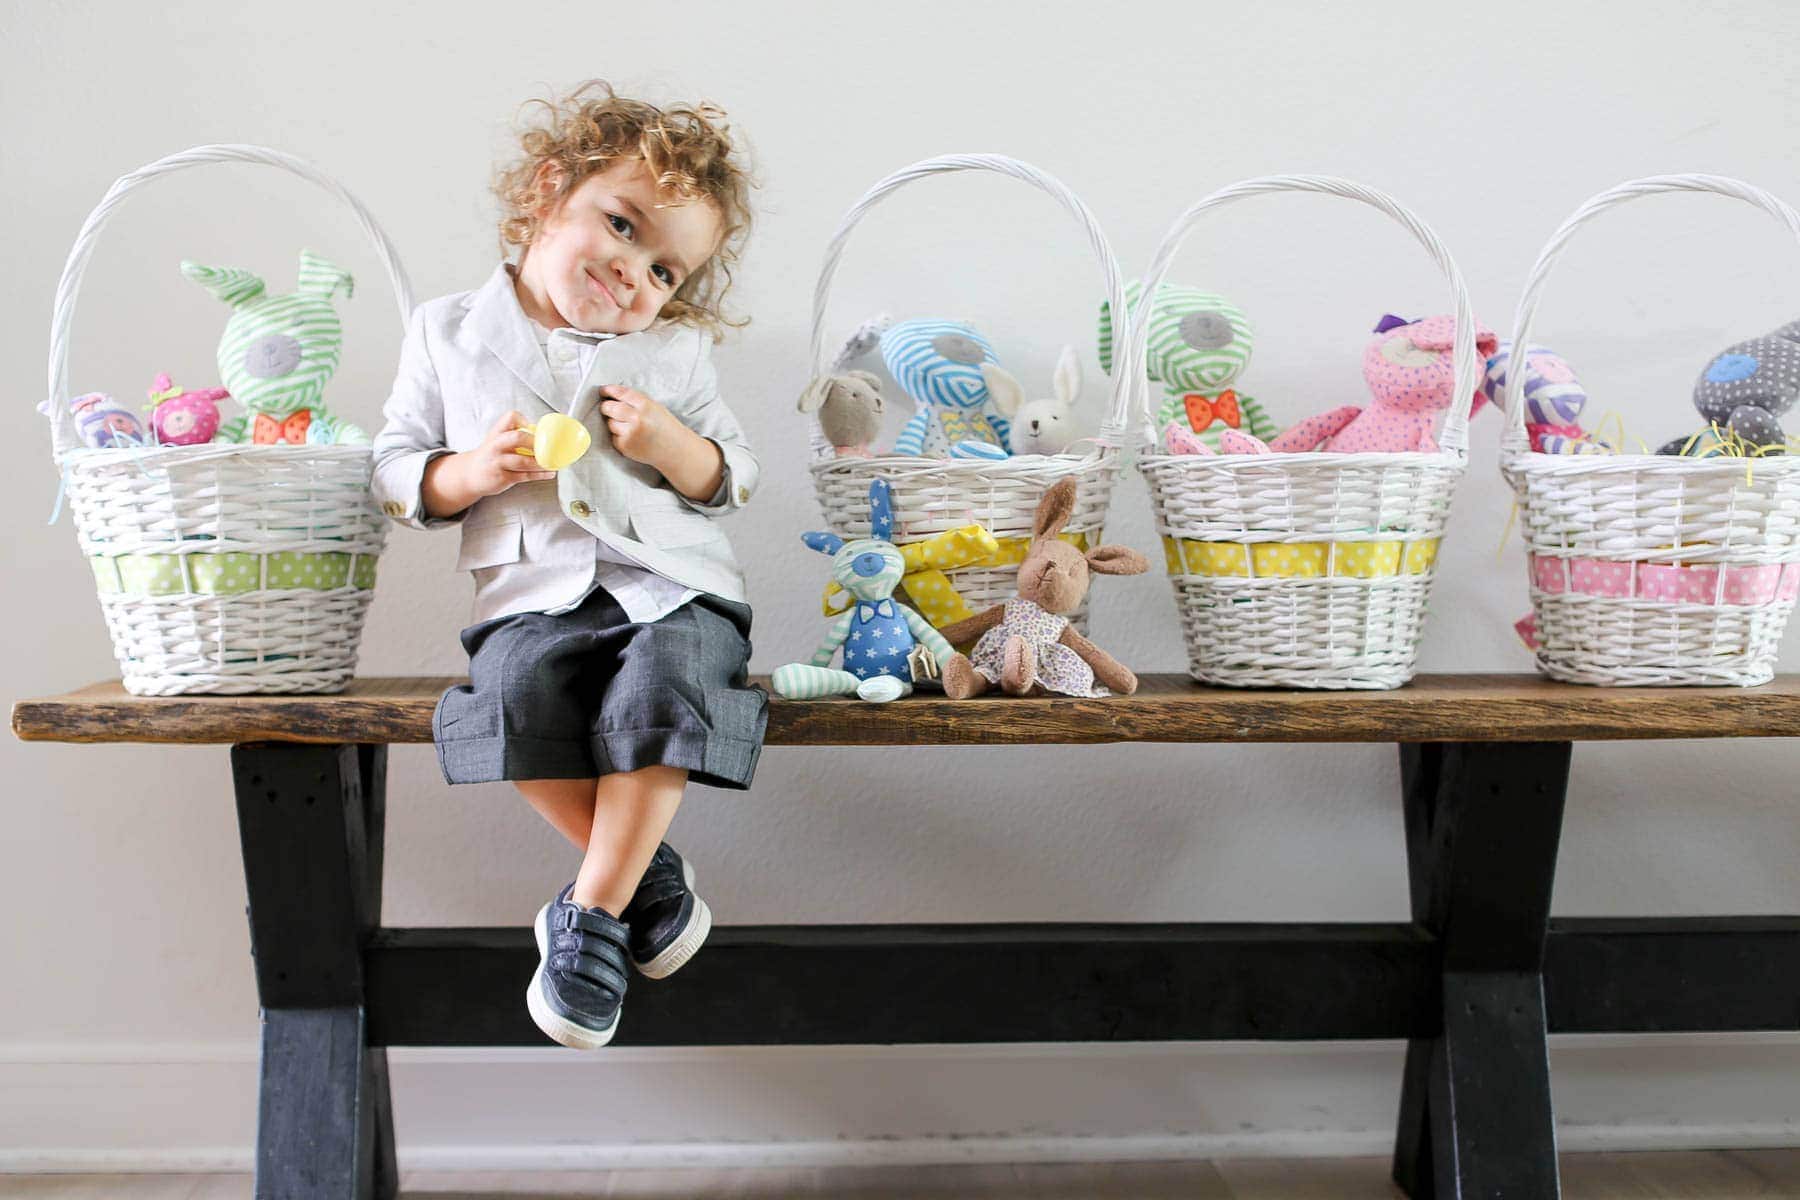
[
  {"x": 520, "y": 464},
  {"x": 511, "y": 421},
  {"x": 513, "y": 439},
  {"x": 620, "y": 408}
]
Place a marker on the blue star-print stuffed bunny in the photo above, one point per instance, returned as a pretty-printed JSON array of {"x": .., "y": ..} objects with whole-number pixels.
[{"x": 878, "y": 634}]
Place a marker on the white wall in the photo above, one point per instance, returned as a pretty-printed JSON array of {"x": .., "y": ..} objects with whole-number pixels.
[{"x": 128, "y": 1017}]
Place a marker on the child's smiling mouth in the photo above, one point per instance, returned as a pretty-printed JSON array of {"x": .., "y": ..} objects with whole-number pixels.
[{"x": 594, "y": 282}]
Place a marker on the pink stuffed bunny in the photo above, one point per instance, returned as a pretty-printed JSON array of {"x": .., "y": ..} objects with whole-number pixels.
[{"x": 1409, "y": 369}]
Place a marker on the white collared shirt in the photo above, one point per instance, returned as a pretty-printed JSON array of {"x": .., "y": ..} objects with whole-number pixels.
[{"x": 642, "y": 593}]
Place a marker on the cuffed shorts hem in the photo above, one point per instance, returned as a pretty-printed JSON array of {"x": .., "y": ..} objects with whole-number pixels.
[{"x": 723, "y": 762}]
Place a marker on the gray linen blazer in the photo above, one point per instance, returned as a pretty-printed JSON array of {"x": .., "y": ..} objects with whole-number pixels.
[{"x": 468, "y": 359}]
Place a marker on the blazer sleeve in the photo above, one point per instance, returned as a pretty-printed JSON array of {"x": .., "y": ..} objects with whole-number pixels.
[
  {"x": 412, "y": 435},
  {"x": 703, "y": 411}
]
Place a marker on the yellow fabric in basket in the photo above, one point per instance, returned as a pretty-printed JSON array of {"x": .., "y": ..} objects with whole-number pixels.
[{"x": 1298, "y": 560}]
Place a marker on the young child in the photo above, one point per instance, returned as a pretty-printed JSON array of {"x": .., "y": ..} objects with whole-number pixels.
[{"x": 609, "y": 641}]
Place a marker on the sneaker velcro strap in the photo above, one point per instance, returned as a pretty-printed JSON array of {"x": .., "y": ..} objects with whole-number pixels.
[
  {"x": 608, "y": 971},
  {"x": 598, "y": 924}
]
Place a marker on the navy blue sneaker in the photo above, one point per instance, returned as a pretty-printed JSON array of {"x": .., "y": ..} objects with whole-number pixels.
[
  {"x": 668, "y": 922},
  {"x": 580, "y": 981}
]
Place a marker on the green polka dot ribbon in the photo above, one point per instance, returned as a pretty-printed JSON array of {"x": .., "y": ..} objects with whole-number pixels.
[{"x": 230, "y": 574}]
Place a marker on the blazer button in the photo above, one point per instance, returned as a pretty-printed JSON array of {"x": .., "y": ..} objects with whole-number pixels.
[
  {"x": 394, "y": 508},
  {"x": 743, "y": 495},
  {"x": 580, "y": 508}
]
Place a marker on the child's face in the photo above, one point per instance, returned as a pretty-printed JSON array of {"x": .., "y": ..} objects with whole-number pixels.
[{"x": 614, "y": 252}]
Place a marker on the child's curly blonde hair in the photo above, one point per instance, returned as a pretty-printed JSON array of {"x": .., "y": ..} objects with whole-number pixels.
[{"x": 687, "y": 149}]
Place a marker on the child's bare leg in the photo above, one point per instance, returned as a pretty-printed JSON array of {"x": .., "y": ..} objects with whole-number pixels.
[
  {"x": 568, "y": 804},
  {"x": 631, "y": 813}
]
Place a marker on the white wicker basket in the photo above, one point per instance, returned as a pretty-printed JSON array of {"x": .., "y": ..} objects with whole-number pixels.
[
  {"x": 1242, "y": 531},
  {"x": 1723, "y": 533},
  {"x": 932, "y": 495},
  {"x": 222, "y": 568}
]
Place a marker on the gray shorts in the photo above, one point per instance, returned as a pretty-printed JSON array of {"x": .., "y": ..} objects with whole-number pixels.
[{"x": 588, "y": 692}]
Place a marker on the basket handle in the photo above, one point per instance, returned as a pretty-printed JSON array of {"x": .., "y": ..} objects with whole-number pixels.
[
  {"x": 1454, "y": 438},
  {"x": 1119, "y": 413},
  {"x": 62, "y": 423},
  {"x": 1515, "y": 440}
]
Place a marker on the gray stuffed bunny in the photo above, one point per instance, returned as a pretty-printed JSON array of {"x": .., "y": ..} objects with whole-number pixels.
[{"x": 1746, "y": 389}]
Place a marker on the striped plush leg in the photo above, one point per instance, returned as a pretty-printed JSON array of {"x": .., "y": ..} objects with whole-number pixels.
[
  {"x": 912, "y": 438},
  {"x": 799, "y": 681}
]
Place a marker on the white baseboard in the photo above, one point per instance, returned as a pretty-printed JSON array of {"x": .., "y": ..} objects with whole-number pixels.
[{"x": 190, "y": 1108}]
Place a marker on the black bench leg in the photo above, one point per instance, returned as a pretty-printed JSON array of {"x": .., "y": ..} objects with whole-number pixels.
[
  {"x": 309, "y": 821},
  {"x": 1482, "y": 826}
]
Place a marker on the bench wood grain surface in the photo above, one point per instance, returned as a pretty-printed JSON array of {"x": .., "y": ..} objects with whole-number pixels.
[{"x": 1166, "y": 708}]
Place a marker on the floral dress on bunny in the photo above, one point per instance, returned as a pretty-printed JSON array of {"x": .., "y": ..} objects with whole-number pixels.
[{"x": 1059, "y": 669}]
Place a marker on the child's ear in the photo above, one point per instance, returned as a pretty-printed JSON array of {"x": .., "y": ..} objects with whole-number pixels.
[
  {"x": 547, "y": 188},
  {"x": 1003, "y": 389},
  {"x": 823, "y": 542},
  {"x": 1116, "y": 560}
]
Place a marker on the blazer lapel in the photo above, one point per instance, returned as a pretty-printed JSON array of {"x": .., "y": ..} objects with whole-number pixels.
[{"x": 505, "y": 329}]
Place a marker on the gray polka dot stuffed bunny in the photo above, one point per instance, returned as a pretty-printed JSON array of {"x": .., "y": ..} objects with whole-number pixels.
[{"x": 1745, "y": 389}]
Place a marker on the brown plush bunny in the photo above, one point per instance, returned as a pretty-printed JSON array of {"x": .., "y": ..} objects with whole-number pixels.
[{"x": 1027, "y": 644}]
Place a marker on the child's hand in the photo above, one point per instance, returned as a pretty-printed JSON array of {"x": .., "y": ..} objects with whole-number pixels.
[
  {"x": 496, "y": 464},
  {"x": 641, "y": 429},
  {"x": 455, "y": 481}
]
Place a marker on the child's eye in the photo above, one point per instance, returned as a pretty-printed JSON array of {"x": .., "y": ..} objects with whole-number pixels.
[
  {"x": 620, "y": 225},
  {"x": 666, "y": 276}
]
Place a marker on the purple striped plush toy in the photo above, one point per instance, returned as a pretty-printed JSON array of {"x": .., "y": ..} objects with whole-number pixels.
[{"x": 1553, "y": 398}]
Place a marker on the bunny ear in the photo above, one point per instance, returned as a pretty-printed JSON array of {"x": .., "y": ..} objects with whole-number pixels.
[
  {"x": 813, "y": 397},
  {"x": 1055, "y": 509},
  {"x": 824, "y": 543},
  {"x": 1116, "y": 560},
  {"x": 1003, "y": 389},
  {"x": 319, "y": 276},
  {"x": 881, "y": 510},
  {"x": 1066, "y": 384},
  {"x": 234, "y": 285},
  {"x": 865, "y": 339},
  {"x": 1109, "y": 322}
]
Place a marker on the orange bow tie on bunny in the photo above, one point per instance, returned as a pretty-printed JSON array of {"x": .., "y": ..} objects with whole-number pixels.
[{"x": 267, "y": 431}]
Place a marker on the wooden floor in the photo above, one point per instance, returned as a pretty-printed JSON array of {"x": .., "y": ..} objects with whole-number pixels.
[{"x": 1710, "y": 1175}]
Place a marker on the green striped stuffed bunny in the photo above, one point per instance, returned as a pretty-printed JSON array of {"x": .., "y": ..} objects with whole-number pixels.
[
  {"x": 1199, "y": 344},
  {"x": 278, "y": 352}
]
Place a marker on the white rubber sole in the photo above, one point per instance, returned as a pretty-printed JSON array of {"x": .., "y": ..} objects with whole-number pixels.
[
  {"x": 559, "y": 1029},
  {"x": 676, "y": 954}
]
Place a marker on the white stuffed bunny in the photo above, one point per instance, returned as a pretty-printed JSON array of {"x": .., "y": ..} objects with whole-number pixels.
[{"x": 1038, "y": 426}]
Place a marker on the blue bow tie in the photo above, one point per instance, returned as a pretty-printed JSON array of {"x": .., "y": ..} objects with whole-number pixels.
[{"x": 866, "y": 610}]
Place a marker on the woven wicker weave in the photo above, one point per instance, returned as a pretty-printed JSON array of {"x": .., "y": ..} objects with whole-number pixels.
[
  {"x": 1620, "y": 514},
  {"x": 931, "y": 495},
  {"x": 227, "y": 531},
  {"x": 1345, "y": 628}
]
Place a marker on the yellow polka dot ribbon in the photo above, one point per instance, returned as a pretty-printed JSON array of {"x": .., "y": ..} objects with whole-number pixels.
[
  {"x": 929, "y": 561},
  {"x": 1299, "y": 560}
]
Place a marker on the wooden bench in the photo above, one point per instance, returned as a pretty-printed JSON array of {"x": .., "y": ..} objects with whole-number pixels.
[{"x": 1474, "y": 981}]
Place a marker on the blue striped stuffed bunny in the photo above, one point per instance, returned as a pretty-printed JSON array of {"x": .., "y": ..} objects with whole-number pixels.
[{"x": 945, "y": 367}]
